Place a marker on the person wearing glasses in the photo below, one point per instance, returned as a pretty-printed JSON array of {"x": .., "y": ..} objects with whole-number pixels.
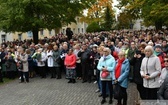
[
  {"x": 106, "y": 66},
  {"x": 164, "y": 72},
  {"x": 120, "y": 76},
  {"x": 150, "y": 71}
]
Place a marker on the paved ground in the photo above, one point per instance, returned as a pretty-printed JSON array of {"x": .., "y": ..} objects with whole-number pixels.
[{"x": 54, "y": 92}]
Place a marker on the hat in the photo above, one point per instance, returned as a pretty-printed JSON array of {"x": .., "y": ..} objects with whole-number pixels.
[
  {"x": 95, "y": 45},
  {"x": 158, "y": 46},
  {"x": 126, "y": 43}
]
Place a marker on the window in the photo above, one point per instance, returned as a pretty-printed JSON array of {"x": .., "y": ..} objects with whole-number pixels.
[
  {"x": 50, "y": 32},
  {"x": 19, "y": 37},
  {"x": 3, "y": 37},
  {"x": 82, "y": 30},
  {"x": 78, "y": 30},
  {"x": 41, "y": 32},
  {"x": 63, "y": 31},
  {"x": 78, "y": 20},
  {"x": 74, "y": 30}
]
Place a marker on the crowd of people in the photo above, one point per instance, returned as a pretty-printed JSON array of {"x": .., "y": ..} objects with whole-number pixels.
[{"x": 112, "y": 58}]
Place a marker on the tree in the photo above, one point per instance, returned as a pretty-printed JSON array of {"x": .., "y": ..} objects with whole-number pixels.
[
  {"x": 96, "y": 11},
  {"x": 124, "y": 20},
  {"x": 108, "y": 19},
  {"x": 153, "y": 12},
  {"x": 93, "y": 27},
  {"x": 33, "y": 15}
]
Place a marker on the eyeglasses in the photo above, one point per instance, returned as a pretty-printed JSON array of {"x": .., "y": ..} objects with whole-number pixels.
[{"x": 165, "y": 60}]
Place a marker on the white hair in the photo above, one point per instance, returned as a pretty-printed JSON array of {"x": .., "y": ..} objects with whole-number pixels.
[
  {"x": 107, "y": 49},
  {"x": 149, "y": 48}
]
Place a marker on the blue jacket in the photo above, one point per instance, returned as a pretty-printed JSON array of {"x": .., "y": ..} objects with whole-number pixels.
[
  {"x": 123, "y": 78},
  {"x": 108, "y": 62}
]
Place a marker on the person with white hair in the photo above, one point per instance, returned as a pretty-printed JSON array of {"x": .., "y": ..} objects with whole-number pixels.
[
  {"x": 120, "y": 77},
  {"x": 41, "y": 58},
  {"x": 150, "y": 43},
  {"x": 106, "y": 67},
  {"x": 150, "y": 71}
]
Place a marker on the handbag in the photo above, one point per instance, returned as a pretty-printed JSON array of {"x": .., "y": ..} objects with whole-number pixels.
[
  {"x": 118, "y": 94},
  {"x": 20, "y": 65},
  {"x": 104, "y": 74}
]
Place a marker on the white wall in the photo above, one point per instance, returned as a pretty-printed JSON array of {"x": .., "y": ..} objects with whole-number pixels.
[{"x": 6, "y": 36}]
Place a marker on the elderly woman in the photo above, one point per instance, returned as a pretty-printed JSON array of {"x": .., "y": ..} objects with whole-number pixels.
[
  {"x": 57, "y": 60},
  {"x": 23, "y": 65},
  {"x": 120, "y": 76},
  {"x": 41, "y": 58},
  {"x": 70, "y": 63},
  {"x": 150, "y": 70},
  {"x": 106, "y": 66}
]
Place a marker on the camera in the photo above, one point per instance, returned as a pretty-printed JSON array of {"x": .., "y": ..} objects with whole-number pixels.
[
  {"x": 148, "y": 74},
  {"x": 138, "y": 52}
]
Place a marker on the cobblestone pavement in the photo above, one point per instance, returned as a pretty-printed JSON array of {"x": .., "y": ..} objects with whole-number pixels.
[{"x": 55, "y": 92}]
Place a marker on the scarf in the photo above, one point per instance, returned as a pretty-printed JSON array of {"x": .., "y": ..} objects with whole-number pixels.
[
  {"x": 118, "y": 68},
  {"x": 157, "y": 53}
]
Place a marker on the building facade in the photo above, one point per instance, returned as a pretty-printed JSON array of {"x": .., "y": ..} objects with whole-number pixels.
[{"x": 78, "y": 27}]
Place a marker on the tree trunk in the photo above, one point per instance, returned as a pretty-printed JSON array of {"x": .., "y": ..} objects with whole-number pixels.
[
  {"x": 158, "y": 25},
  {"x": 35, "y": 36}
]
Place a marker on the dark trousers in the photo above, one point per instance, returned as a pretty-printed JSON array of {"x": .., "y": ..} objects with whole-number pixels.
[
  {"x": 85, "y": 71},
  {"x": 98, "y": 78},
  {"x": 151, "y": 93},
  {"x": 58, "y": 72},
  {"x": 26, "y": 74},
  {"x": 11, "y": 74},
  {"x": 141, "y": 90},
  {"x": 62, "y": 68},
  {"x": 1, "y": 77},
  {"x": 124, "y": 96},
  {"x": 110, "y": 87},
  {"x": 42, "y": 71},
  {"x": 78, "y": 70},
  {"x": 53, "y": 72}
]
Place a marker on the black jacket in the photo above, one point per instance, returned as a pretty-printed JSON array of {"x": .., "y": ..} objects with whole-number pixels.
[
  {"x": 163, "y": 91},
  {"x": 2, "y": 55},
  {"x": 136, "y": 63},
  {"x": 85, "y": 56}
]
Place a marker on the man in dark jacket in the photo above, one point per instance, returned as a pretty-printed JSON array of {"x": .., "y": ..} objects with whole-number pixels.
[
  {"x": 85, "y": 57},
  {"x": 2, "y": 61},
  {"x": 163, "y": 91}
]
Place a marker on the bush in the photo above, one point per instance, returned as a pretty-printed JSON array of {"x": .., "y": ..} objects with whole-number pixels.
[{"x": 93, "y": 27}]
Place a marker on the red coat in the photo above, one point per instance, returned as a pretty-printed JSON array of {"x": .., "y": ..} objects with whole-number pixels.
[
  {"x": 70, "y": 61},
  {"x": 161, "y": 58}
]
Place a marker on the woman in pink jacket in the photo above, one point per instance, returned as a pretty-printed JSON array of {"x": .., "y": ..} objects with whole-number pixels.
[{"x": 70, "y": 63}]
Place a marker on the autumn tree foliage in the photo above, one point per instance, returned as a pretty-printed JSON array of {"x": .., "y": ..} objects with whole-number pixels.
[{"x": 100, "y": 12}]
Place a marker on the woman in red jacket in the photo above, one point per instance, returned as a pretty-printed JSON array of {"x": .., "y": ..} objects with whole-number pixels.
[{"x": 70, "y": 63}]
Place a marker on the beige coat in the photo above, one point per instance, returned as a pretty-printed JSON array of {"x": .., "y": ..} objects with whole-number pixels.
[{"x": 24, "y": 59}]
